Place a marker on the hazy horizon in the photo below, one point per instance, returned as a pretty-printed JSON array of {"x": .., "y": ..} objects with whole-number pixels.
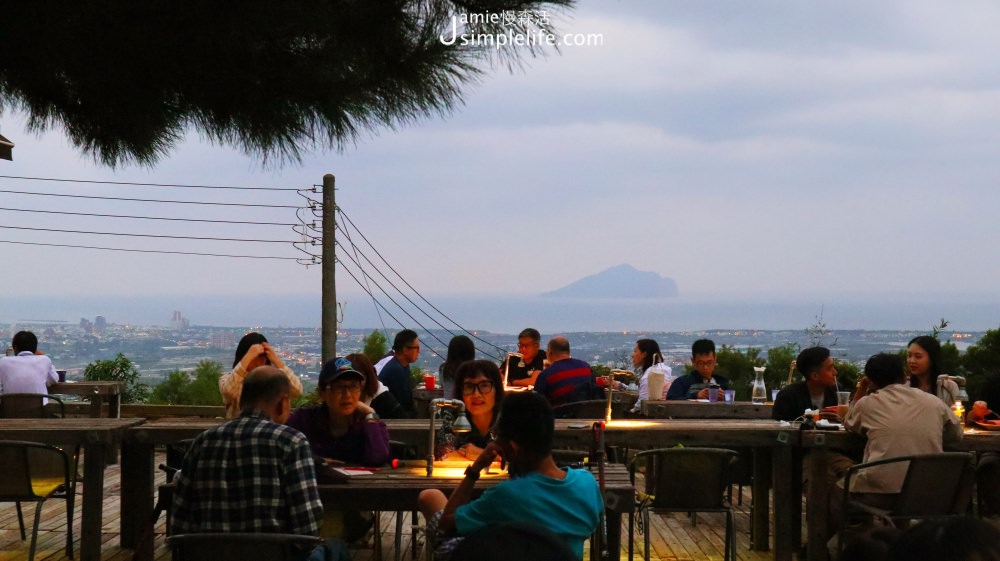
[{"x": 507, "y": 313}]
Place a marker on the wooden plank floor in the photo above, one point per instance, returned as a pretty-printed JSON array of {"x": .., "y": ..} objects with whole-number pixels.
[{"x": 674, "y": 538}]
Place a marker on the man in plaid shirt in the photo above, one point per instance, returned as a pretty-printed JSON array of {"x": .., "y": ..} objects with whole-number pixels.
[{"x": 253, "y": 473}]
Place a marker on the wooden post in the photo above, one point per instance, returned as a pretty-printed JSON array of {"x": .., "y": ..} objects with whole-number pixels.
[{"x": 329, "y": 302}]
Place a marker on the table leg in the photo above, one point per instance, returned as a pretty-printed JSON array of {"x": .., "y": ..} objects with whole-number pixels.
[
  {"x": 95, "y": 405},
  {"x": 817, "y": 503},
  {"x": 115, "y": 406},
  {"x": 787, "y": 503},
  {"x": 761, "y": 496},
  {"x": 137, "y": 499},
  {"x": 93, "y": 497},
  {"x": 613, "y": 519}
]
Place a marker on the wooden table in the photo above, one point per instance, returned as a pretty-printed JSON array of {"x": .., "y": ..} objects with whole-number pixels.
[
  {"x": 621, "y": 401},
  {"x": 774, "y": 456},
  {"x": 393, "y": 493},
  {"x": 95, "y": 392},
  {"x": 96, "y": 436},
  {"x": 817, "y": 495},
  {"x": 683, "y": 409},
  {"x": 397, "y": 490}
]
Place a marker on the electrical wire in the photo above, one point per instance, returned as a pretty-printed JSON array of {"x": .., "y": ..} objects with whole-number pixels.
[
  {"x": 143, "y": 200},
  {"x": 474, "y": 336},
  {"x": 152, "y": 251},
  {"x": 202, "y": 238},
  {"x": 149, "y": 217},
  {"x": 385, "y": 332},
  {"x": 148, "y": 184}
]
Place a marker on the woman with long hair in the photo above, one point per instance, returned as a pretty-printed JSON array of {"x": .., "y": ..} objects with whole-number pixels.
[
  {"x": 644, "y": 356},
  {"x": 374, "y": 393},
  {"x": 252, "y": 351},
  {"x": 923, "y": 360},
  {"x": 480, "y": 387},
  {"x": 460, "y": 349}
]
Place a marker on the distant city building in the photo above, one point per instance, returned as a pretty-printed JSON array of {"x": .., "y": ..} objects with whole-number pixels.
[
  {"x": 222, "y": 340},
  {"x": 100, "y": 323},
  {"x": 86, "y": 326},
  {"x": 178, "y": 321}
]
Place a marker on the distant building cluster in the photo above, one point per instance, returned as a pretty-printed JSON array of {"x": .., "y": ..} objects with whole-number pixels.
[
  {"x": 222, "y": 340},
  {"x": 177, "y": 321},
  {"x": 99, "y": 324}
]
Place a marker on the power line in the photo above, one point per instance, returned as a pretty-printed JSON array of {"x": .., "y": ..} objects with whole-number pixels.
[
  {"x": 144, "y": 235},
  {"x": 152, "y": 251},
  {"x": 150, "y": 217},
  {"x": 143, "y": 200},
  {"x": 149, "y": 184}
]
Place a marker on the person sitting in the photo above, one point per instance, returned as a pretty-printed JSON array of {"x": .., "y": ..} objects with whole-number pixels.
[
  {"x": 695, "y": 385},
  {"x": 923, "y": 359},
  {"x": 566, "y": 379},
  {"x": 479, "y": 385},
  {"x": 643, "y": 357},
  {"x": 817, "y": 390},
  {"x": 342, "y": 429},
  {"x": 28, "y": 371},
  {"x": 253, "y": 473},
  {"x": 460, "y": 349},
  {"x": 522, "y": 371},
  {"x": 396, "y": 372},
  {"x": 252, "y": 351},
  {"x": 898, "y": 420},
  {"x": 374, "y": 393},
  {"x": 567, "y": 502}
]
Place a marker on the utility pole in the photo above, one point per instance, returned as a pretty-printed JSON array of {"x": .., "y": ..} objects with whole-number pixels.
[{"x": 329, "y": 302}]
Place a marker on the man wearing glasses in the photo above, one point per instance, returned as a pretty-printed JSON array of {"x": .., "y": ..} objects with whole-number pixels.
[
  {"x": 396, "y": 373},
  {"x": 524, "y": 370},
  {"x": 695, "y": 385}
]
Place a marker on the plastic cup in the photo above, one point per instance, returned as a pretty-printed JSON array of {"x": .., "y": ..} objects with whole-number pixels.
[
  {"x": 730, "y": 396},
  {"x": 713, "y": 394},
  {"x": 774, "y": 394},
  {"x": 843, "y": 404},
  {"x": 429, "y": 381}
]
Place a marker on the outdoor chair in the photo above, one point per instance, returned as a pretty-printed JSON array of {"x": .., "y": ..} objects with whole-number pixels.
[
  {"x": 935, "y": 486},
  {"x": 30, "y": 406},
  {"x": 684, "y": 480},
  {"x": 33, "y": 471},
  {"x": 230, "y": 546}
]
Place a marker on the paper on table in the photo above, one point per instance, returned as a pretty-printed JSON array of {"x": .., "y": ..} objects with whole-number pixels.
[{"x": 353, "y": 471}]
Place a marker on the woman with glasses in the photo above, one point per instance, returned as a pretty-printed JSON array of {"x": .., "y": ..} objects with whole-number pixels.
[
  {"x": 342, "y": 429},
  {"x": 479, "y": 385},
  {"x": 374, "y": 393}
]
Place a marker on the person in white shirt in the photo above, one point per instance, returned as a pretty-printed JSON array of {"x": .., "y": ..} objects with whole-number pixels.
[{"x": 28, "y": 371}]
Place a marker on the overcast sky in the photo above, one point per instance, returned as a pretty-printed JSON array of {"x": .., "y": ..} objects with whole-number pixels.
[{"x": 740, "y": 148}]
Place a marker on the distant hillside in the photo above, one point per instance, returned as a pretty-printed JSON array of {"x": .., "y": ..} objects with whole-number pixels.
[{"x": 623, "y": 281}]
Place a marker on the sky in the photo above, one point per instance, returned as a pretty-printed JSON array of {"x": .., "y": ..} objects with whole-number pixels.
[{"x": 745, "y": 149}]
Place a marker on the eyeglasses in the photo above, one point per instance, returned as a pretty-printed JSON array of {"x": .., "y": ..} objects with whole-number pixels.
[
  {"x": 342, "y": 389},
  {"x": 526, "y": 345},
  {"x": 704, "y": 363},
  {"x": 484, "y": 388},
  {"x": 411, "y": 347}
]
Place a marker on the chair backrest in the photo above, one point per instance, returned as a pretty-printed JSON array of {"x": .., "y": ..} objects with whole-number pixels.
[
  {"x": 240, "y": 546},
  {"x": 31, "y": 470},
  {"x": 28, "y": 406},
  {"x": 936, "y": 484},
  {"x": 591, "y": 409},
  {"x": 531, "y": 542},
  {"x": 687, "y": 478}
]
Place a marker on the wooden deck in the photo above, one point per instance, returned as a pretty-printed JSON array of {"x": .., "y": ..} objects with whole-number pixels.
[{"x": 674, "y": 536}]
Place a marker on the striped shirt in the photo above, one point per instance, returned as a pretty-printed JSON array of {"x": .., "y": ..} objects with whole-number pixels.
[
  {"x": 248, "y": 475},
  {"x": 566, "y": 381}
]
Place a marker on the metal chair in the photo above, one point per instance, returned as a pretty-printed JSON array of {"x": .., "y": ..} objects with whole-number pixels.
[
  {"x": 30, "y": 406},
  {"x": 684, "y": 480},
  {"x": 229, "y": 546},
  {"x": 935, "y": 486},
  {"x": 33, "y": 471}
]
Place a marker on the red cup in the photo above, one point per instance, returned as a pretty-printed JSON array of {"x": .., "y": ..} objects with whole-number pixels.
[{"x": 429, "y": 381}]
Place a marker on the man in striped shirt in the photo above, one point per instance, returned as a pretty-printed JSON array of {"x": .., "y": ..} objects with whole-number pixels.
[{"x": 567, "y": 379}]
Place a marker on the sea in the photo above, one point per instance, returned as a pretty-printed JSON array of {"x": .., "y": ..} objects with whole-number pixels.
[{"x": 511, "y": 313}]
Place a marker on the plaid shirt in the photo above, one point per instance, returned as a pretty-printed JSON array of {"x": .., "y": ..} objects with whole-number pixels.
[{"x": 248, "y": 475}]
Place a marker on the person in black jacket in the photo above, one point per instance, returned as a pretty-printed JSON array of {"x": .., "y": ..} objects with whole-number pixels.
[{"x": 817, "y": 390}]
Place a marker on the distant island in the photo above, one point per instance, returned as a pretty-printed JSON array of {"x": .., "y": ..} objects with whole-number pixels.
[{"x": 623, "y": 281}]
